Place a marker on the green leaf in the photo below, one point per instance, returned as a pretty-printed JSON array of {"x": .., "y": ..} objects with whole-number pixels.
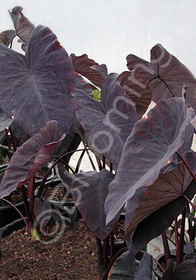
[{"x": 97, "y": 94}]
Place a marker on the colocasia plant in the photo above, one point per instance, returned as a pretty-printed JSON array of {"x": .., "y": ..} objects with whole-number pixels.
[{"x": 140, "y": 126}]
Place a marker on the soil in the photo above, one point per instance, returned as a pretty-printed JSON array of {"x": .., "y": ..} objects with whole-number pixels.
[{"x": 73, "y": 256}]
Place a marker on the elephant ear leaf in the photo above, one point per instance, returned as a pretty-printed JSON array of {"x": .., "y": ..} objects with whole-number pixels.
[
  {"x": 171, "y": 77},
  {"x": 167, "y": 188},
  {"x": 165, "y": 75},
  {"x": 110, "y": 121},
  {"x": 89, "y": 191},
  {"x": 149, "y": 147},
  {"x": 159, "y": 221},
  {"x": 23, "y": 26},
  {"x": 36, "y": 88},
  {"x": 141, "y": 96},
  {"x": 30, "y": 157},
  {"x": 87, "y": 68}
]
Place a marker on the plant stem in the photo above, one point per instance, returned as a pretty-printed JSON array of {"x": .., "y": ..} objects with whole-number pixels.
[
  {"x": 11, "y": 43},
  {"x": 191, "y": 203},
  {"x": 176, "y": 235},
  {"x": 56, "y": 161},
  {"x": 192, "y": 174},
  {"x": 30, "y": 189},
  {"x": 13, "y": 139},
  {"x": 100, "y": 258},
  {"x": 90, "y": 158},
  {"x": 8, "y": 144},
  {"x": 103, "y": 159},
  {"x": 111, "y": 167},
  {"x": 191, "y": 231},
  {"x": 106, "y": 251},
  {"x": 166, "y": 248},
  {"x": 111, "y": 245},
  {"x": 79, "y": 161},
  {"x": 28, "y": 214},
  {"x": 179, "y": 253},
  {"x": 187, "y": 165}
]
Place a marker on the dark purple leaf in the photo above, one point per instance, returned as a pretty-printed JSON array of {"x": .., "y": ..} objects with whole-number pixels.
[
  {"x": 141, "y": 96},
  {"x": 107, "y": 123},
  {"x": 6, "y": 37},
  {"x": 183, "y": 150},
  {"x": 189, "y": 249},
  {"x": 36, "y": 88},
  {"x": 23, "y": 26},
  {"x": 30, "y": 157},
  {"x": 165, "y": 75},
  {"x": 147, "y": 150},
  {"x": 159, "y": 221},
  {"x": 125, "y": 267},
  {"x": 89, "y": 192},
  {"x": 85, "y": 66},
  {"x": 42, "y": 157},
  {"x": 141, "y": 70},
  {"x": 81, "y": 84},
  {"x": 166, "y": 188},
  {"x": 43, "y": 208},
  {"x": 18, "y": 132},
  {"x": 145, "y": 268},
  {"x": 185, "y": 271}
]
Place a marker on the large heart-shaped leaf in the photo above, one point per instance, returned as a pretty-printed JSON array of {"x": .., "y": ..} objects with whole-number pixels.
[
  {"x": 166, "y": 188},
  {"x": 36, "y": 88},
  {"x": 109, "y": 122},
  {"x": 159, "y": 221},
  {"x": 165, "y": 75},
  {"x": 30, "y": 157},
  {"x": 84, "y": 66},
  {"x": 23, "y": 26},
  {"x": 89, "y": 192},
  {"x": 150, "y": 146},
  {"x": 141, "y": 96}
]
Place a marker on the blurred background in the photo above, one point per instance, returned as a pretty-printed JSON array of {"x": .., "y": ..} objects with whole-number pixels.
[{"x": 109, "y": 30}]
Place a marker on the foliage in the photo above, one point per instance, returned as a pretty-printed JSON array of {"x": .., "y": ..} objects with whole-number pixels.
[{"x": 146, "y": 165}]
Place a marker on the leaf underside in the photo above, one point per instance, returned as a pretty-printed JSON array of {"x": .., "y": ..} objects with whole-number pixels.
[
  {"x": 158, "y": 221},
  {"x": 166, "y": 188},
  {"x": 30, "y": 157},
  {"x": 165, "y": 75}
]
